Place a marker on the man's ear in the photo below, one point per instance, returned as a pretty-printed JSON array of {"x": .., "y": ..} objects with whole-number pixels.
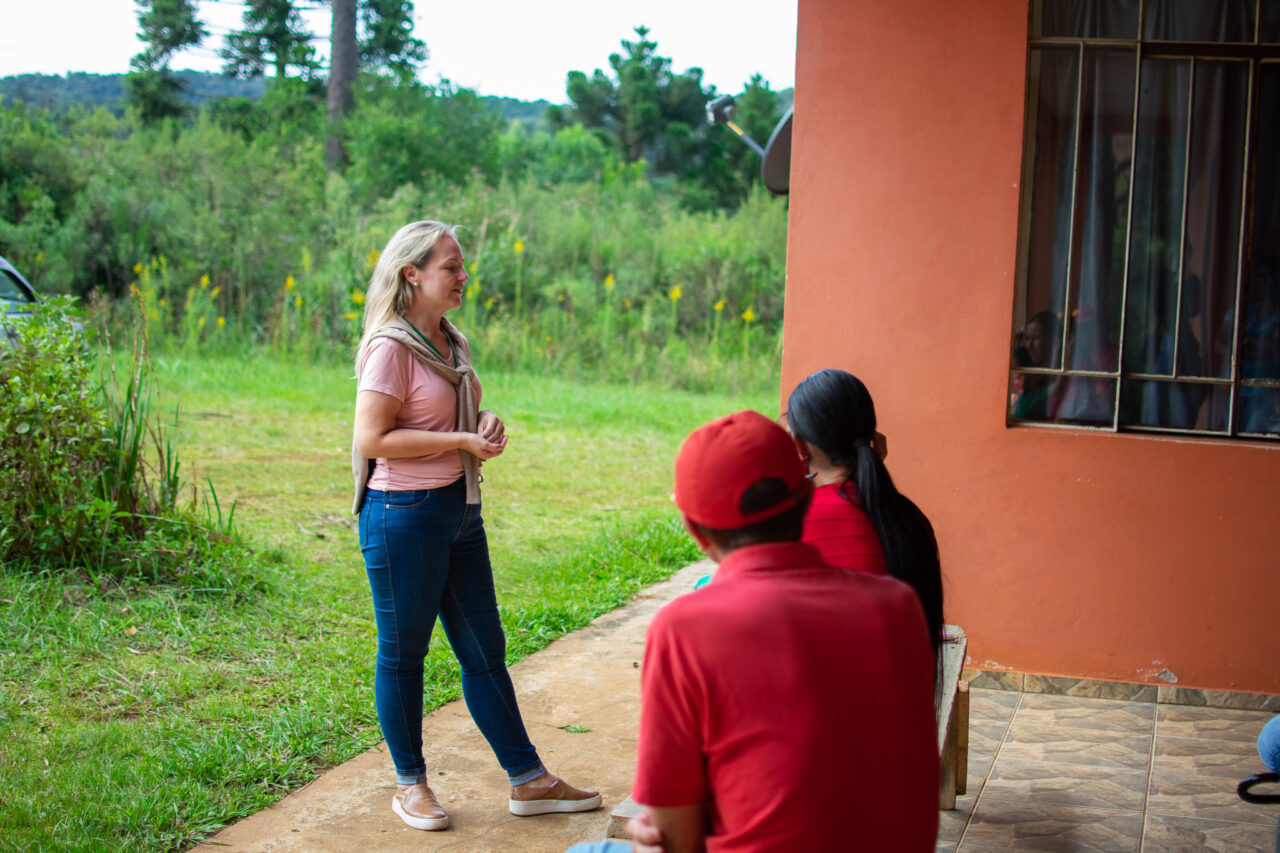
[{"x": 701, "y": 538}]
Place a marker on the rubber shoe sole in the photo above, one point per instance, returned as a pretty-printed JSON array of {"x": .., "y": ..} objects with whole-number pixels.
[
  {"x": 528, "y": 808},
  {"x": 428, "y": 823}
]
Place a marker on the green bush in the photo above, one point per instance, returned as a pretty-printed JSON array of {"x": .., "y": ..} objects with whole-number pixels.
[
  {"x": 88, "y": 483},
  {"x": 53, "y": 441}
]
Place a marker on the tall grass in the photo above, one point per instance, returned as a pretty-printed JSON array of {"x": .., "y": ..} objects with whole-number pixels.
[{"x": 610, "y": 281}]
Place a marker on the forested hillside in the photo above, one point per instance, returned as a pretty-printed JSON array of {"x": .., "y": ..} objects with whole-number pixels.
[{"x": 58, "y": 93}]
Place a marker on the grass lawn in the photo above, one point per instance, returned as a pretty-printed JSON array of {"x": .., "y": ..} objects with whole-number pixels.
[{"x": 143, "y": 720}]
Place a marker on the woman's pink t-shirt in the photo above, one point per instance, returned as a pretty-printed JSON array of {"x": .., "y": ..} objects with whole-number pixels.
[
  {"x": 838, "y": 526},
  {"x": 428, "y": 402}
]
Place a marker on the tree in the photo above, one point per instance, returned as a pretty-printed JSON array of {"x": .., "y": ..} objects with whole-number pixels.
[
  {"x": 275, "y": 35},
  {"x": 403, "y": 132},
  {"x": 156, "y": 93},
  {"x": 342, "y": 74},
  {"x": 386, "y": 37},
  {"x": 386, "y": 42},
  {"x": 165, "y": 27},
  {"x": 644, "y": 109}
]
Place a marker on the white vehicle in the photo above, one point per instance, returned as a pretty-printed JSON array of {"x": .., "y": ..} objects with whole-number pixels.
[{"x": 17, "y": 296}]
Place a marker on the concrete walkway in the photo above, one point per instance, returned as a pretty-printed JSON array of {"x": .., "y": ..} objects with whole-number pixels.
[{"x": 590, "y": 678}]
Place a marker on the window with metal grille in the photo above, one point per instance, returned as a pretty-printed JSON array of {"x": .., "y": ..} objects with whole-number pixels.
[{"x": 1148, "y": 293}]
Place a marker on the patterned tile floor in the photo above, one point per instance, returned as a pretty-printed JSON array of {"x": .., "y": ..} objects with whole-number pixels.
[{"x": 1062, "y": 773}]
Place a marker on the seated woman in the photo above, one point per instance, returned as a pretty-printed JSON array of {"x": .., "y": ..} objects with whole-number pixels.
[{"x": 858, "y": 520}]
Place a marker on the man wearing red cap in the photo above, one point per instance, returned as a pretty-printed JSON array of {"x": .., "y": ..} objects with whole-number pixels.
[{"x": 788, "y": 706}]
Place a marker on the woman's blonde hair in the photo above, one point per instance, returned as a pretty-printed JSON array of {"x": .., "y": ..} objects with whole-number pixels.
[{"x": 389, "y": 294}]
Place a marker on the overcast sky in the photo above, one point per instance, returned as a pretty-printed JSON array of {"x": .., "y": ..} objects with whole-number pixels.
[{"x": 498, "y": 47}]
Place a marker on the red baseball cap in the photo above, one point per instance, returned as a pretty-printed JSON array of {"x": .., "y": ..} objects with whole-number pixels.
[{"x": 718, "y": 462}]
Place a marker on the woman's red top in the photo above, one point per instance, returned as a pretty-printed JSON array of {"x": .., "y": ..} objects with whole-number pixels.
[{"x": 841, "y": 530}]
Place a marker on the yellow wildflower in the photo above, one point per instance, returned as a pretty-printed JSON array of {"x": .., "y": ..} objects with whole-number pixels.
[
  {"x": 39, "y": 257},
  {"x": 213, "y": 294},
  {"x": 472, "y": 267},
  {"x": 609, "y": 282},
  {"x": 222, "y": 321},
  {"x": 297, "y": 302},
  {"x": 137, "y": 269},
  {"x": 204, "y": 280},
  {"x": 161, "y": 303},
  {"x": 719, "y": 306},
  {"x": 548, "y": 339},
  {"x": 200, "y": 322},
  {"x": 133, "y": 288},
  {"x": 519, "y": 246},
  {"x": 626, "y": 303},
  {"x": 749, "y": 315},
  {"x": 288, "y": 283},
  {"x": 488, "y": 303},
  {"x": 350, "y": 315},
  {"x": 357, "y": 296},
  {"x": 373, "y": 256},
  {"x": 675, "y": 293}
]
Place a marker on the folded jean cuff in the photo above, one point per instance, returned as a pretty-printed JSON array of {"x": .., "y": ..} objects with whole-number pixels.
[
  {"x": 411, "y": 778},
  {"x": 528, "y": 774}
]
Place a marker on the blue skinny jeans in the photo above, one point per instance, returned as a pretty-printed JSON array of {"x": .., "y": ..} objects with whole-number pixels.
[{"x": 426, "y": 555}]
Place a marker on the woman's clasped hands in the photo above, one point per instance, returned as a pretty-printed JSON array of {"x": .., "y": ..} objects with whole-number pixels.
[{"x": 489, "y": 439}]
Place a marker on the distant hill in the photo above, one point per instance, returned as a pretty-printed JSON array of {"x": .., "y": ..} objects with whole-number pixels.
[{"x": 57, "y": 93}]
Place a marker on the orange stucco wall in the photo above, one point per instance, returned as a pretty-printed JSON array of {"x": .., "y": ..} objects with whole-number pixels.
[{"x": 1066, "y": 552}]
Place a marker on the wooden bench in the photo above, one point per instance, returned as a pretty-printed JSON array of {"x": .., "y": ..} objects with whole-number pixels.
[
  {"x": 951, "y": 700},
  {"x": 952, "y": 704}
]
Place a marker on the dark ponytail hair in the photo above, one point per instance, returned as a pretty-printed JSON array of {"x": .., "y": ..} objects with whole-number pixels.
[{"x": 832, "y": 410}]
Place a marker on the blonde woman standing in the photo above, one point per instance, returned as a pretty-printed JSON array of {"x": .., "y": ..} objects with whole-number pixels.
[{"x": 418, "y": 442}]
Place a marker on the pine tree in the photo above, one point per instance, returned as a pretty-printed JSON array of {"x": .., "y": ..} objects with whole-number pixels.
[
  {"x": 166, "y": 27},
  {"x": 274, "y": 35},
  {"x": 386, "y": 37}
]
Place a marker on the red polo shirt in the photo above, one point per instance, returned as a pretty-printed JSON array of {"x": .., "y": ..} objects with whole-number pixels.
[{"x": 796, "y": 700}]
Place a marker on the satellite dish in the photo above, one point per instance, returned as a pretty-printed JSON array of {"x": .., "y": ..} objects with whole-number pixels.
[{"x": 776, "y": 169}]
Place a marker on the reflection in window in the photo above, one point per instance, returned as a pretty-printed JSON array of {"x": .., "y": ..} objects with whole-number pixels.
[{"x": 1149, "y": 267}]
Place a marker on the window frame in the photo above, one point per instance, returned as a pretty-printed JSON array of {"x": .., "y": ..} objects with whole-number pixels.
[{"x": 1256, "y": 54}]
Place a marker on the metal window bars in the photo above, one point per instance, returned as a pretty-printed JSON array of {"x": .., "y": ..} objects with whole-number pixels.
[{"x": 1258, "y": 56}]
